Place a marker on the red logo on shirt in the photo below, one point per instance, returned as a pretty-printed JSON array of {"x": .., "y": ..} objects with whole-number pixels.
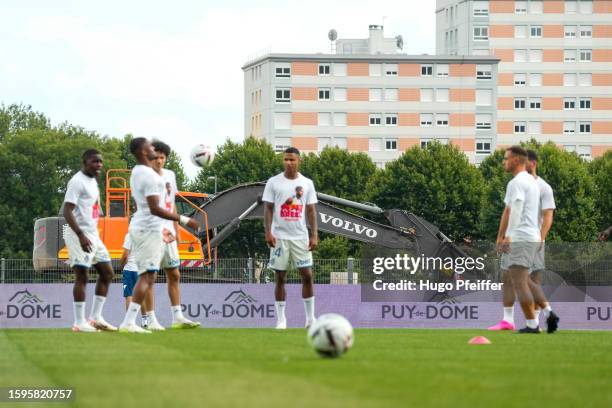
[
  {"x": 168, "y": 198},
  {"x": 293, "y": 207},
  {"x": 95, "y": 213}
]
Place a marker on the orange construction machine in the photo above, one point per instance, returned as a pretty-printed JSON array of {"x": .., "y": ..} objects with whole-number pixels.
[{"x": 50, "y": 250}]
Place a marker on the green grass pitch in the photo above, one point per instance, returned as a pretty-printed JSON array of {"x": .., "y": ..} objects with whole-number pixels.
[{"x": 251, "y": 368}]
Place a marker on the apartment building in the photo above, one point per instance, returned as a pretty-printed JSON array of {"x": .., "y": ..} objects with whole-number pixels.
[
  {"x": 369, "y": 98},
  {"x": 555, "y": 70}
]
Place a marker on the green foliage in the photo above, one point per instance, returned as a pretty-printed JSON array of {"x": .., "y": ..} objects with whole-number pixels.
[
  {"x": 601, "y": 171},
  {"x": 436, "y": 183},
  {"x": 334, "y": 247}
]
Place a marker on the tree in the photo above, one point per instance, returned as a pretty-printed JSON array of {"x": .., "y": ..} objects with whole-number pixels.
[
  {"x": 20, "y": 117},
  {"x": 601, "y": 171},
  {"x": 437, "y": 183},
  {"x": 238, "y": 163}
]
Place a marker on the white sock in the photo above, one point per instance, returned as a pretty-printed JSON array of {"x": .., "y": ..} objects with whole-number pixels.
[
  {"x": 144, "y": 319},
  {"x": 309, "y": 308},
  {"x": 537, "y": 314},
  {"x": 280, "y": 310},
  {"x": 151, "y": 317},
  {"x": 98, "y": 304},
  {"x": 509, "y": 314},
  {"x": 547, "y": 310},
  {"x": 177, "y": 313},
  {"x": 130, "y": 315},
  {"x": 532, "y": 323},
  {"x": 79, "y": 312}
]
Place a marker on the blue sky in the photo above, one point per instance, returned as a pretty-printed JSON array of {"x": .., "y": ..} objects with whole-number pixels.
[{"x": 171, "y": 70}]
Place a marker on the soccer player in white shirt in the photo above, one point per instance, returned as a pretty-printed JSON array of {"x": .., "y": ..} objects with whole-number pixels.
[
  {"x": 146, "y": 227},
  {"x": 545, "y": 209},
  {"x": 289, "y": 198},
  {"x": 85, "y": 248},
  {"x": 519, "y": 234}
]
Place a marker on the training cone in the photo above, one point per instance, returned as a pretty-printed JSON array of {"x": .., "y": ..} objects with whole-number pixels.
[{"x": 479, "y": 340}]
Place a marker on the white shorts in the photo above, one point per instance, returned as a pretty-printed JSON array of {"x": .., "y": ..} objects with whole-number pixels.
[
  {"x": 521, "y": 254},
  {"x": 538, "y": 260},
  {"x": 77, "y": 256},
  {"x": 148, "y": 249},
  {"x": 296, "y": 250},
  {"x": 170, "y": 256}
]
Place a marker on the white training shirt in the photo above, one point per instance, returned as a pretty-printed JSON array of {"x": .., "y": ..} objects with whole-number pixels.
[
  {"x": 130, "y": 265},
  {"x": 290, "y": 198},
  {"x": 145, "y": 182},
  {"x": 547, "y": 199},
  {"x": 83, "y": 192},
  {"x": 168, "y": 198},
  {"x": 524, "y": 187}
]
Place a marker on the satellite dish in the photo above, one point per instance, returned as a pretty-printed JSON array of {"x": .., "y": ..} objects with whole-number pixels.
[
  {"x": 399, "y": 42},
  {"x": 332, "y": 35}
]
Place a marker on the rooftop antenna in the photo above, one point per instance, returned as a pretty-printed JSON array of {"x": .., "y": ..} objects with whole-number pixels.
[{"x": 332, "y": 35}]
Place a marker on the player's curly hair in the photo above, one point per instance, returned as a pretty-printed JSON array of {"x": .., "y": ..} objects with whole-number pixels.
[
  {"x": 87, "y": 154},
  {"x": 136, "y": 144},
  {"x": 161, "y": 147}
]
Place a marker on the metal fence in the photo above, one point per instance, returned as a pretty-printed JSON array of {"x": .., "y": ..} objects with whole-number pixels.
[{"x": 334, "y": 271}]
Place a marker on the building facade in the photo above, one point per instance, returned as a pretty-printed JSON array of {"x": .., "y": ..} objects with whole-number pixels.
[
  {"x": 555, "y": 70},
  {"x": 379, "y": 103}
]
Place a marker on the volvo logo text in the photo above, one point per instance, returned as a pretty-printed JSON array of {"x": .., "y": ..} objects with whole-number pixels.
[{"x": 348, "y": 225}]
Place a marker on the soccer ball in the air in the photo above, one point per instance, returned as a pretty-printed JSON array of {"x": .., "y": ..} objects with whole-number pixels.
[
  {"x": 202, "y": 155},
  {"x": 331, "y": 335}
]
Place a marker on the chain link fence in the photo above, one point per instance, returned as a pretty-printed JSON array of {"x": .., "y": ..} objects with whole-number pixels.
[{"x": 326, "y": 271}]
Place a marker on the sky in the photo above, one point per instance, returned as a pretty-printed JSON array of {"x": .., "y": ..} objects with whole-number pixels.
[{"x": 172, "y": 70}]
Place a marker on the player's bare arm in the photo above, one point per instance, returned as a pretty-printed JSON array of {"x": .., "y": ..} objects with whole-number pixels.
[
  {"x": 268, "y": 212},
  {"x": 311, "y": 214}
]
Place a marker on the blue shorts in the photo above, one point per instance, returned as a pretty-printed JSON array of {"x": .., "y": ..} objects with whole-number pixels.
[{"x": 129, "y": 281}]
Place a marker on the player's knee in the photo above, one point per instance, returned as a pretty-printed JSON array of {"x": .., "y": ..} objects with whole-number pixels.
[
  {"x": 307, "y": 277},
  {"x": 173, "y": 276},
  {"x": 281, "y": 279}
]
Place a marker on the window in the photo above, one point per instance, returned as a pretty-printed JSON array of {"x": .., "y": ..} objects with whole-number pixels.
[
  {"x": 442, "y": 70},
  {"x": 391, "y": 119},
  {"x": 585, "y": 127},
  {"x": 340, "y": 142},
  {"x": 340, "y": 69},
  {"x": 425, "y": 143},
  {"x": 375, "y": 119},
  {"x": 535, "y": 32},
  {"x": 571, "y": 7},
  {"x": 391, "y": 69},
  {"x": 391, "y": 144},
  {"x": 283, "y": 95},
  {"x": 483, "y": 121},
  {"x": 584, "y": 152},
  {"x": 520, "y": 7},
  {"x": 442, "y": 95},
  {"x": 375, "y": 94},
  {"x": 586, "y": 7},
  {"x": 480, "y": 51},
  {"x": 520, "y": 55},
  {"x": 481, "y": 8},
  {"x": 569, "y": 55},
  {"x": 426, "y": 95},
  {"x": 535, "y": 7},
  {"x": 483, "y": 97},
  {"x": 375, "y": 145},
  {"x": 391, "y": 94},
  {"x": 426, "y": 70},
  {"x": 339, "y": 119},
  {"x": 483, "y": 146},
  {"x": 340, "y": 94},
  {"x": 535, "y": 79},
  {"x": 282, "y": 120},
  {"x": 484, "y": 72},
  {"x": 324, "y": 69},
  {"x": 520, "y": 79},
  {"x": 570, "y": 148},
  {"x": 324, "y": 94},
  {"x": 519, "y": 103},
  {"x": 585, "y": 55},
  {"x": 586, "y": 31},
  {"x": 535, "y": 103},
  {"x": 569, "y": 103},
  {"x": 481, "y": 33},
  {"x": 585, "y": 79},
  {"x": 570, "y": 31},
  {"x": 323, "y": 143},
  {"x": 535, "y": 128},
  {"x": 535, "y": 55},
  {"x": 426, "y": 119},
  {"x": 519, "y": 127},
  {"x": 324, "y": 119},
  {"x": 282, "y": 70},
  {"x": 442, "y": 119},
  {"x": 375, "y": 69},
  {"x": 585, "y": 103},
  {"x": 281, "y": 143},
  {"x": 569, "y": 79},
  {"x": 569, "y": 128},
  {"x": 520, "y": 31}
]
